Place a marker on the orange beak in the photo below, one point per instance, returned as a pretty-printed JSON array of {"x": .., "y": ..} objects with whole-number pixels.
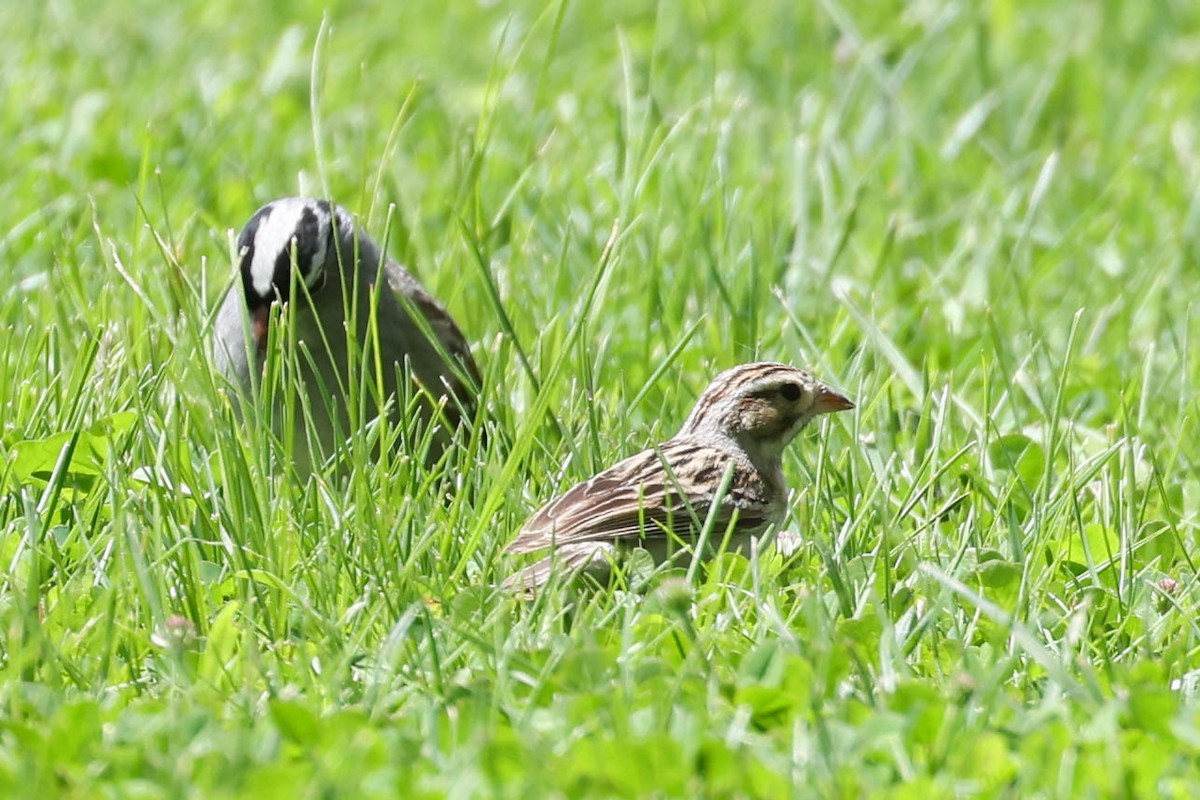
[
  {"x": 829, "y": 401},
  {"x": 259, "y": 320}
]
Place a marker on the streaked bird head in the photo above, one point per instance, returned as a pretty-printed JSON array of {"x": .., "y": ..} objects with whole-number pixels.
[
  {"x": 762, "y": 405},
  {"x": 293, "y": 232}
]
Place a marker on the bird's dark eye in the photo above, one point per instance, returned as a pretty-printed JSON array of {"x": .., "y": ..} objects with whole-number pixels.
[{"x": 790, "y": 392}]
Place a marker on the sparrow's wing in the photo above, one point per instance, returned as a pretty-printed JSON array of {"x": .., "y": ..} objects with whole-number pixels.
[
  {"x": 446, "y": 333},
  {"x": 658, "y": 492},
  {"x": 439, "y": 319}
]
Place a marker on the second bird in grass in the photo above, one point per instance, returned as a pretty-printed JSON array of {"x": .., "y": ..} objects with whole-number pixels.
[
  {"x": 310, "y": 255},
  {"x": 660, "y": 498}
]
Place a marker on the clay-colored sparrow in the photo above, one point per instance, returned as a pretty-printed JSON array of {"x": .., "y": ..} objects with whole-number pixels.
[{"x": 661, "y": 498}]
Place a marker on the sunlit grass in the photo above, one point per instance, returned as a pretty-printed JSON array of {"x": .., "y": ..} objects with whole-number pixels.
[{"x": 980, "y": 222}]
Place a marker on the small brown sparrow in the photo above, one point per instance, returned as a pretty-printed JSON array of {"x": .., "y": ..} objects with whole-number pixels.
[
  {"x": 314, "y": 250},
  {"x": 660, "y": 498}
]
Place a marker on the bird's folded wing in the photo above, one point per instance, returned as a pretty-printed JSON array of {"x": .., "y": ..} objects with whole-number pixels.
[
  {"x": 447, "y": 333},
  {"x": 644, "y": 496}
]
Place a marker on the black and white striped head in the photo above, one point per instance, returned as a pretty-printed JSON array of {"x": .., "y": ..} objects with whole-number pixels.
[
  {"x": 763, "y": 404},
  {"x": 291, "y": 231}
]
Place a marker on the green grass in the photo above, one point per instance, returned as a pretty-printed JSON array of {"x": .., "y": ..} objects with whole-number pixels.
[{"x": 982, "y": 222}]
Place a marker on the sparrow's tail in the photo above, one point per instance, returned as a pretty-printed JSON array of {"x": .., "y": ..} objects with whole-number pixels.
[{"x": 594, "y": 557}]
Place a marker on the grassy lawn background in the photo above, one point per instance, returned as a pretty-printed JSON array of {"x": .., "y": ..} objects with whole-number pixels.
[{"x": 982, "y": 222}]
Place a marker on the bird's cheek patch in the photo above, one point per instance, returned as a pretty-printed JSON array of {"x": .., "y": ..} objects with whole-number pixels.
[{"x": 756, "y": 414}]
